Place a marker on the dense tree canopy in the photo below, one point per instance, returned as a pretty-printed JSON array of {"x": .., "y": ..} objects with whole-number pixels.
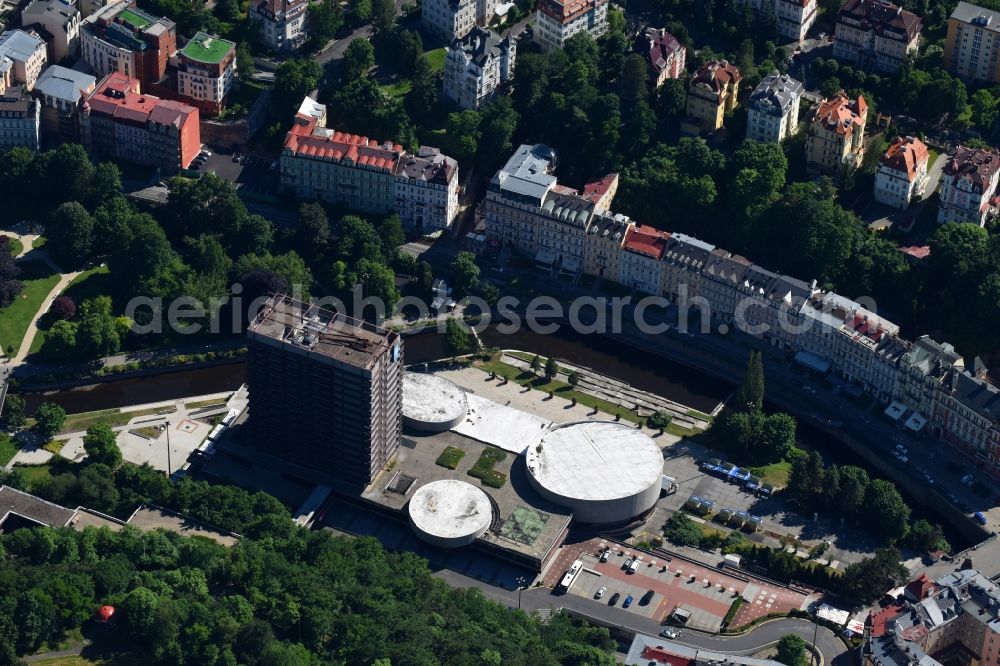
[{"x": 282, "y": 595}]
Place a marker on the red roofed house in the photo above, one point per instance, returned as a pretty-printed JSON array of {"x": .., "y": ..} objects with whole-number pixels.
[
  {"x": 641, "y": 263},
  {"x": 711, "y": 95},
  {"x": 919, "y": 588},
  {"x": 663, "y": 53},
  {"x": 601, "y": 192},
  {"x": 902, "y": 172},
  {"x": 968, "y": 182},
  {"x": 319, "y": 163},
  {"x": 558, "y": 20},
  {"x": 118, "y": 121},
  {"x": 837, "y": 135}
]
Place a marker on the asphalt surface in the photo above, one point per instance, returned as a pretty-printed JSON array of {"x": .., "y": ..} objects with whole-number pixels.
[{"x": 762, "y": 636}]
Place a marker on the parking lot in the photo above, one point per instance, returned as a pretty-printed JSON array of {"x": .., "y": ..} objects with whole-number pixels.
[
  {"x": 777, "y": 518},
  {"x": 253, "y": 175},
  {"x": 705, "y": 592}
]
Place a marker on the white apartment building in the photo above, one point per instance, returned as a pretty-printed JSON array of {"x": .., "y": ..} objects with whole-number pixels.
[
  {"x": 454, "y": 19},
  {"x": 62, "y": 20},
  {"x": 683, "y": 260},
  {"x": 876, "y": 34},
  {"x": 641, "y": 264},
  {"x": 558, "y": 20},
  {"x": 476, "y": 65},
  {"x": 794, "y": 17},
  {"x": 20, "y": 121},
  {"x": 282, "y": 22},
  {"x": 902, "y": 173},
  {"x": 426, "y": 190},
  {"x": 206, "y": 71},
  {"x": 972, "y": 45},
  {"x": 773, "y": 109},
  {"x": 59, "y": 89},
  {"x": 28, "y": 54},
  {"x": 721, "y": 278},
  {"x": 968, "y": 183}
]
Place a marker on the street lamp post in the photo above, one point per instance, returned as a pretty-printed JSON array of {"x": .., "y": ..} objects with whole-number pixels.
[
  {"x": 168, "y": 448},
  {"x": 812, "y": 653},
  {"x": 521, "y": 581}
]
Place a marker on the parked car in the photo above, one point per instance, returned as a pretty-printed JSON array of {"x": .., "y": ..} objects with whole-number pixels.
[
  {"x": 633, "y": 567},
  {"x": 901, "y": 449},
  {"x": 646, "y": 598},
  {"x": 980, "y": 518},
  {"x": 605, "y": 555},
  {"x": 627, "y": 602},
  {"x": 600, "y": 593},
  {"x": 614, "y": 598}
]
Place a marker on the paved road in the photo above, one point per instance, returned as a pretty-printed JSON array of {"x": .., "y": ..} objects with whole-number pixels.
[{"x": 766, "y": 634}]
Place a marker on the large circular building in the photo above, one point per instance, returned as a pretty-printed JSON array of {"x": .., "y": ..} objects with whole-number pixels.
[
  {"x": 604, "y": 472},
  {"x": 432, "y": 404},
  {"x": 450, "y": 513}
]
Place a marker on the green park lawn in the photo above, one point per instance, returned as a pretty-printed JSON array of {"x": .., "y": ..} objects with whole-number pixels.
[
  {"x": 15, "y": 245},
  {"x": 436, "y": 58},
  {"x": 38, "y": 242},
  {"x": 112, "y": 417},
  {"x": 776, "y": 473},
  {"x": 7, "y": 449},
  {"x": 88, "y": 284},
  {"x": 401, "y": 87},
  {"x": 38, "y": 281}
]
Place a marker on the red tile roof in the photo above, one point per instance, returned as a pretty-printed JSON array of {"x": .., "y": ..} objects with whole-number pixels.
[
  {"x": 917, "y": 251},
  {"x": 841, "y": 114},
  {"x": 305, "y": 138},
  {"x": 975, "y": 165},
  {"x": 920, "y": 587},
  {"x": 717, "y": 74},
  {"x": 119, "y": 96},
  {"x": 566, "y": 11},
  {"x": 595, "y": 189},
  {"x": 659, "y": 47},
  {"x": 879, "y": 621},
  {"x": 905, "y": 155},
  {"x": 661, "y": 655},
  {"x": 647, "y": 241}
]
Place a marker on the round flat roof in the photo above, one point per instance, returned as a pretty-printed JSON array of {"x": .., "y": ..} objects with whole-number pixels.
[
  {"x": 451, "y": 509},
  {"x": 431, "y": 399},
  {"x": 595, "y": 460}
]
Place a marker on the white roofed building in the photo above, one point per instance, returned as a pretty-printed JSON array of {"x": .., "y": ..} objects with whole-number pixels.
[
  {"x": 27, "y": 53},
  {"x": 773, "y": 109},
  {"x": 476, "y": 66},
  {"x": 59, "y": 90}
]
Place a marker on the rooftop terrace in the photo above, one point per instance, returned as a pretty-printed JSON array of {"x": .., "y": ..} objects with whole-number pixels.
[{"x": 206, "y": 48}]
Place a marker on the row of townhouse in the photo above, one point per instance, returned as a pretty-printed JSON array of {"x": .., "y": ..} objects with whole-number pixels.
[
  {"x": 926, "y": 381},
  {"x": 319, "y": 163}
]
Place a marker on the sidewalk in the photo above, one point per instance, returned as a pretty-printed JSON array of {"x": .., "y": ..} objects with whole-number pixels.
[{"x": 556, "y": 409}]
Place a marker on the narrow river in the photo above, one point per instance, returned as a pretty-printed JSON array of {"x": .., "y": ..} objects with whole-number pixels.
[{"x": 603, "y": 354}]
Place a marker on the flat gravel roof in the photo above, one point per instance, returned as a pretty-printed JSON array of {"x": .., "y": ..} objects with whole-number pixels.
[
  {"x": 450, "y": 509},
  {"x": 595, "y": 460},
  {"x": 432, "y": 399}
]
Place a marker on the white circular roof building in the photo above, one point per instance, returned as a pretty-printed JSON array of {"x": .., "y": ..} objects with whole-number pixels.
[
  {"x": 450, "y": 513},
  {"x": 432, "y": 403},
  {"x": 606, "y": 472}
]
